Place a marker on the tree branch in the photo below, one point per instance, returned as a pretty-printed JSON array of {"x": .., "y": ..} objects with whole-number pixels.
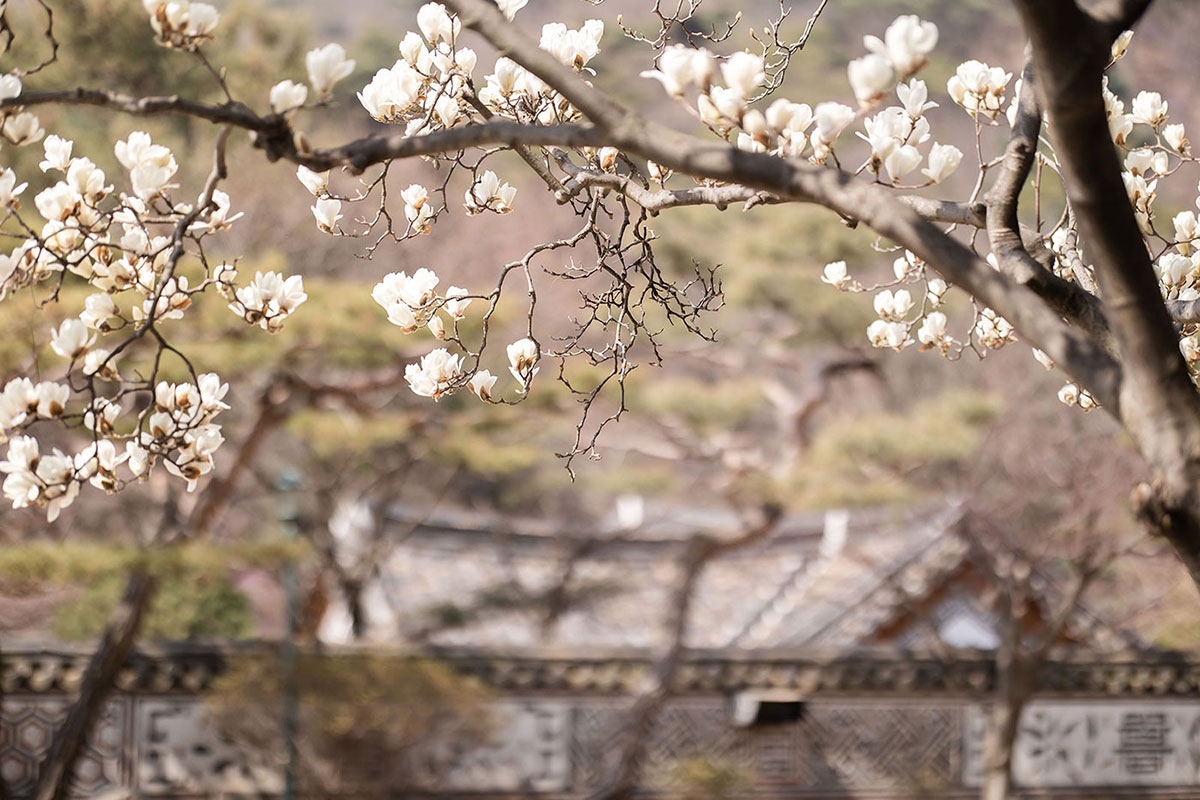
[
  {"x": 1159, "y": 405},
  {"x": 1004, "y": 231}
]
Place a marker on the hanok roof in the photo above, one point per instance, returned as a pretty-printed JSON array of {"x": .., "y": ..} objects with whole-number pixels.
[{"x": 829, "y": 583}]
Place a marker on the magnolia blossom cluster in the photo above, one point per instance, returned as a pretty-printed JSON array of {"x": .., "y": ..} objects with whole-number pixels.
[
  {"x": 513, "y": 92},
  {"x": 412, "y": 301},
  {"x": 424, "y": 88},
  {"x": 17, "y": 125},
  {"x": 180, "y": 429},
  {"x": 978, "y": 88},
  {"x": 783, "y": 127},
  {"x": 267, "y": 301},
  {"x": 180, "y": 432},
  {"x": 181, "y": 23},
  {"x": 488, "y": 193},
  {"x": 903, "y": 50},
  {"x": 895, "y": 133},
  {"x": 122, "y": 245}
]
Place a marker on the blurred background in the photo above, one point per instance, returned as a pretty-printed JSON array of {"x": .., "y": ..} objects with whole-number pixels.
[{"x": 783, "y": 495}]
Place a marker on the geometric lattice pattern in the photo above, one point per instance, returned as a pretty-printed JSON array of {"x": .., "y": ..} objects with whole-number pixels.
[
  {"x": 164, "y": 746},
  {"x": 26, "y": 729},
  {"x": 836, "y": 747}
]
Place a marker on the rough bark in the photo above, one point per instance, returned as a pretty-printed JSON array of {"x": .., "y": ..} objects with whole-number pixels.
[
  {"x": 1159, "y": 404},
  {"x": 54, "y": 776}
]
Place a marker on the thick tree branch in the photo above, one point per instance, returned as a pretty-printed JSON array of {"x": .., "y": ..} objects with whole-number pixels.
[
  {"x": 1159, "y": 404},
  {"x": 1004, "y": 232}
]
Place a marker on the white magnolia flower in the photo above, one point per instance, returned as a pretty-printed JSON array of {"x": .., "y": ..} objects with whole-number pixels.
[
  {"x": 1120, "y": 44},
  {"x": 57, "y": 202},
  {"x": 1069, "y": 394},
  {"x": 1150, "y": 108},
  {"x": 906, "y": 43},
  {"x": 894, "y": 335},
  {"x": 51, "y": 398},
  {"x": 720, "y": 104},
  {"x": 510, "y": 7},
  {"x": 71, "y": 339},
  {"x": 417, "y": 208},
  {"x": 993, "y": 330},
  {"x": 326, "y": 66},
  {"x": 202, "y": 19},
  {"x": 456, "y": 302},
  {"x": 436, "y": 24},
  {"x": 10, "y": 86},
  {"x": 445, "y": 110},
  {"x": 100, "y": 362},
  {"x": 287, "y": 95},
  {"x": 1189, "y": 347},
  {"x": 935, "y": 291},
  {"x": 481, "y": 384},
  {"x": 870, "y": 77},
  {"x": 785, "y": 117},
  {"x": 393, "y": 92},
  {"x": 932, "y": 332},
  {"x": 436, "y": 327},
  {"x": 943, "y": 160},
  {"x": 575, "y": 48},
  {"x": 22, "y": 128},
  {"x": 1043, "y": 359},
  {"x": 150, "y": 165},
  {"x": 835, "y": 274},
  {"x": 902, "y": 161},
  {"x": 269, "y": 299},
  {"x": 914, "y": 96},
  {"x": 327, "y": 212},
  {"x": 1141, "y": 196},
  {"x": 979, "y": 88},
  {"x": 522, "y": 356},
  {"x": 893, "y": 305},
  {"x": 743, "y": 73},
  {"x": 101, "y": 416},
  {"x": 436, "y": 375},
  {"x": 58, "y": 153},
  {"x": 488, "y": 193},
  {"x": 406, "y": 299},
  {"x": 680, "y": 66},
  {"x": 1176, "y": 137},
  {"x": 1186, "y": 225},
  {"x": 9, "y": 190},
  {"x": 1173, "y": 270},
  {"x": 831, "y": 119},
  {"x": 317, "y": 183}
]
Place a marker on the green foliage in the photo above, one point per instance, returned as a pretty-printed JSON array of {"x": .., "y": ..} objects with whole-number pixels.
[
  {"x": 707, "y": 778},
  {"x": 885, "y": 458},
  {"x": 109, "y": 44},
  {"x": 196, "y": 605},
  {"x": 195, "y": 597},
  {"x": 363, "y": 719},
  {"x": 704, "y": 406},
  {"x": 771, "y": 259},
  {"x": 943, "y": 430}
]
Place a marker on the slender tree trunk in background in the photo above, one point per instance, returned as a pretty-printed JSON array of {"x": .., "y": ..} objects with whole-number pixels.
[
  {"x": 1014, "y": 679},
  {"x": 352, "y": 591},
  {"x": 113, "y": 650},
  {"x": 4, "y": 795}
]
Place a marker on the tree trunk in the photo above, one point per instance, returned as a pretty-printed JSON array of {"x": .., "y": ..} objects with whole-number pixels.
[
  {"x": 1004, "y": 724},
  {"x": 54, "y": 778},
  {"x": 4, "y": 793}
]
